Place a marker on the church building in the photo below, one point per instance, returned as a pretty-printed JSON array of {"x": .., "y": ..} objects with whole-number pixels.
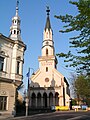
[
  {"x": 48, "y": 86},
  {"x": 12, "y": 51}
]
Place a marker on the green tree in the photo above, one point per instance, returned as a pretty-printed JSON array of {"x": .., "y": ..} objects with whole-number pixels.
[
  {"x": 81, "y": 42},
  {"x": 82, "y": 88}
]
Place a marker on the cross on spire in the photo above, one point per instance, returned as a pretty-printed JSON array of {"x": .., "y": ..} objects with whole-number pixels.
[{"x": 48, "y": 10}]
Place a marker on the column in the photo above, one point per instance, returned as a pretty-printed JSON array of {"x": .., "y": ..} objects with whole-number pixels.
[
  {"x": 36, "y": 101},
  {"x": 47, "y": 101},
  {"x": 54, "y": 100}
]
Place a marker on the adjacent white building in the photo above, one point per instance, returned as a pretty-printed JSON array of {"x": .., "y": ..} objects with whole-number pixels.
[
  {"x": 11, "y": 65},
  {"x": 48, "y": 86}
]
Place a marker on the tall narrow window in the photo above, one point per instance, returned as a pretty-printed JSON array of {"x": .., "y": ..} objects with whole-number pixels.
[
  {"x": 46, "y": 69},
  {"x": 14, "y": 31},
  {"x": 18, "y": 67},
  {"x": 15, "y": 21},
  {"x": 46, "y": 51},
  {"x": 1, "y": 63},
  {"x": 3, "y": 102}
]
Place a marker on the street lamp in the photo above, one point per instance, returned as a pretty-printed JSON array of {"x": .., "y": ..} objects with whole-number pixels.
[{"x": 27, "y": 93}]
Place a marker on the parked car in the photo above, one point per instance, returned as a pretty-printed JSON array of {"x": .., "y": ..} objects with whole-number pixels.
[
  {"x": 61, "y": 108},
  {"x": 53, "y": 108},
  {"x": 84, "y": 107}
]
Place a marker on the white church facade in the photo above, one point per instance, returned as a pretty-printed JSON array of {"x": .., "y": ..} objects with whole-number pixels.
[
  {"x": 12, "y": 51},
  {"x": 48, "y": 86}
]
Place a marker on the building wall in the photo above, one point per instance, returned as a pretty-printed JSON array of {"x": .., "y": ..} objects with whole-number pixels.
[
  {"x": 12, "y": 52},
  {"x": 8, "y": 90}
]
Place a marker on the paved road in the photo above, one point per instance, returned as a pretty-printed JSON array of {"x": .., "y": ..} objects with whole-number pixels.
[{"x": 57, "y": 116}]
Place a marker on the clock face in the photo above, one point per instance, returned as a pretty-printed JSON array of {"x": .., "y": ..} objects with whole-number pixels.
[{"x": 46, "y": 79}]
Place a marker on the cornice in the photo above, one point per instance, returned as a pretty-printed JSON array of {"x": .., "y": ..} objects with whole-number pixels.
[
  {"x": 13, "y": 41},
  {"x": 12, "y": 81}
]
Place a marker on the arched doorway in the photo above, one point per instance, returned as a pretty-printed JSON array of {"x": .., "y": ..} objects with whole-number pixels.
[
  {"x": 56, "y": 98},
  {"x": 50, "y": 99},
  {"x": 45, "y": 100},
  {"x": 33, "y": 100},
  {"x": 39, "y": 100}
]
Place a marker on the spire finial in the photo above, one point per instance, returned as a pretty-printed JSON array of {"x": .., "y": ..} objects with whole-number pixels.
[
  {"x": 48, "y": 10},
  {"x": 17, "y": 4}
]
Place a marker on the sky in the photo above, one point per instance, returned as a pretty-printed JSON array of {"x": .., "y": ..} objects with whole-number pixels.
[{"x": 33, "y": 19}]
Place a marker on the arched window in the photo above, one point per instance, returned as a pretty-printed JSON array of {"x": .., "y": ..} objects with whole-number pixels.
[
  {"x": 56, "y": 98},
  {"x": 33, "y": 100},
  {"x": 14, "y": 31},
  {"x": 45, "y": 99},
  {"x": 15, "y": 21},
  {"x": 46, "y": 51},
  {"x": 3, "y": 60},
  {"x": 46, "y": 69},
  {"x": 50, "y": 99}
]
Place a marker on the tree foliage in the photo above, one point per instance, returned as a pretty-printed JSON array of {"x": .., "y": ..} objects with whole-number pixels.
[
  {"x": 81, "y": 42},
  {"x": 82, "y": 87}
]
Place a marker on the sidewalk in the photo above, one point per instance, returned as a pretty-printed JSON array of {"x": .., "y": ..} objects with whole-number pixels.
[{"x": 5, "y": 117}]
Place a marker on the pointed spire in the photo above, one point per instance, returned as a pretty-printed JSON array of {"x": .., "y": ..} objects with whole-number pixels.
[{"x": 48, "y": 25}]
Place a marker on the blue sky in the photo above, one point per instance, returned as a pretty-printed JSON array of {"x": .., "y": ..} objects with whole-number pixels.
[{"x": 33, "y": 19}]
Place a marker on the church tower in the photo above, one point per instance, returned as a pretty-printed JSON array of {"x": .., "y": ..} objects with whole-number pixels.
[
  {"x": 15, "y": 31},
  {"x": 48, "y": 58},
  {"x": 18, "y": 48}
]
